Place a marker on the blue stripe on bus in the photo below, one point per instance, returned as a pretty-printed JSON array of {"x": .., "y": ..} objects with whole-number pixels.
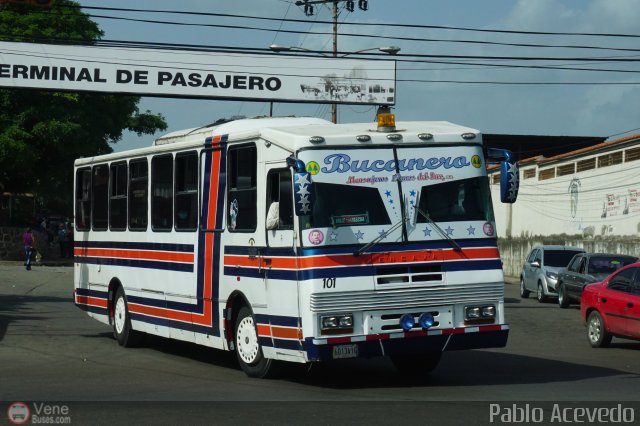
[
  {"x": 278, "y": 320},
  {"x": 92, "y": 293},
  {"x": 270, "y": 342},
  {"x": 352, "y": 271}
]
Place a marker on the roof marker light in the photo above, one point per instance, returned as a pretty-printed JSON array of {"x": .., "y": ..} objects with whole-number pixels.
[
  {"x": 406, "y": 322},
  {"x": 394, "y": 137},
  {"x": 468, "y": 136},
  {"x": 386, "y": 120},
  {"x": 425, "y": 136},
  {"x": 363, "y": 138},
  {"x": 316, "y": 139}
]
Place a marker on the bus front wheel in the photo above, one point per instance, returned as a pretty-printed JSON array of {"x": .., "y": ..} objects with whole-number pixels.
[
  {"x": 248, "y": 349},
  {"x": 122, "y": 331}
]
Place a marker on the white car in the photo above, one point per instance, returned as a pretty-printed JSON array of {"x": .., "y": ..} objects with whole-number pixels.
[{"x": 541, "y": 267}]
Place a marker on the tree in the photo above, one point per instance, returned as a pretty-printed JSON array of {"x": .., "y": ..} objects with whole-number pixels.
[{"x": 43, "y": 132}]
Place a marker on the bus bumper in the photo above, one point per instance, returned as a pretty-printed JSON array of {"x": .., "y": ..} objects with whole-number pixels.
[{"x": 415, "y": 342}]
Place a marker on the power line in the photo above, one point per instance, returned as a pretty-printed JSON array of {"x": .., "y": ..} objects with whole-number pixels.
[
  {"x": 422, "y": 26},
  {"x": 360, "y": 35}
]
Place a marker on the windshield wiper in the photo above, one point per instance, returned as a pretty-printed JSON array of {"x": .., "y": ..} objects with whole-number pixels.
[
  {"x": 441, "y": 231},
  {"x": 377, "y": 239}
]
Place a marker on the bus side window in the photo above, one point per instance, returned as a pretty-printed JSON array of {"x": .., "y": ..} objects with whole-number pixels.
[
  {"x": 242, "y": 195},
  {"x": 162, "y": 192},
  {"x": 138, "y": 194},
  {"x": 100, "y": 195},
  {"x": 118, "y": 197},
  {"x": 186, "y": 200},
  {"x": 279, "y": 193},
  {"x": 83, "y": 199}
]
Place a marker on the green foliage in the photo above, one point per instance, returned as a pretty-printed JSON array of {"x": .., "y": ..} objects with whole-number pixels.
[{"x": 43, "y": 132}]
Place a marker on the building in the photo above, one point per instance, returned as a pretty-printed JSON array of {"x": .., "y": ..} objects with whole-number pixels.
[{"x": 588, "y": 197}]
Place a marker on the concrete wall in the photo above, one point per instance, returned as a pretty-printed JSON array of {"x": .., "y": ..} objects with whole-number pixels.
[
  {"x": 514, "y": 250},
  {"x": 11, "y": 243},
  {"x": 11, "y": 247},
  {"x": 603, "y": 201}
]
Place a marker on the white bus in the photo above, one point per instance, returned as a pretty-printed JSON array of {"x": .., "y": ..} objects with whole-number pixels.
[{"x": 295, "y": 239}]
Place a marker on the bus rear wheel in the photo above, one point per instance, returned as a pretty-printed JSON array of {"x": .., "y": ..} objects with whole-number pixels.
[
  {"x": 122, "y": 331},
  {"x": 248, "y": 349},
  {"x": 416, "y": 364}
]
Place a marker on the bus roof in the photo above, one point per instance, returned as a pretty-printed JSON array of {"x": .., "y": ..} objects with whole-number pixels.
[{"x": 294, "y": 133}]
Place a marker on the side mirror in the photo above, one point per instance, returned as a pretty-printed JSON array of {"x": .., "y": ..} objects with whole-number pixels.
[
  {"x": 535, "y": 264},
  {"x": 302, "y": 193},
  {"x": 509, "y": 174}
]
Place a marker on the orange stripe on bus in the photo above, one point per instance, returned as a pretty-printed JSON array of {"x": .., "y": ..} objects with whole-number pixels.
[
  {"x": 93, "y": 301},
  {"x": 159, "y": 312},
  {"x": 136, "y": 254},
  {"x": 350, "y": 260},
  {"x": 266, "y": 330}
]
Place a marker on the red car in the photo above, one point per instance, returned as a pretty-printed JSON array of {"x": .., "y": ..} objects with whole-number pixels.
[{"x": 612, "y": 307}]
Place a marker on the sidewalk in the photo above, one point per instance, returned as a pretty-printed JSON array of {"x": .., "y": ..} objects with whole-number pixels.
[{"x": 44, "y": 262}]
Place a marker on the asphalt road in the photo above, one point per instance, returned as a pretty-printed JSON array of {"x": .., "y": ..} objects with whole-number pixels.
[{"x": 52, "y": 351}]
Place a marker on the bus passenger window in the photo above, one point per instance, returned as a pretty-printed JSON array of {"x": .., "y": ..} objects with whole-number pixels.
[
  {"x": 186, "y": 201},
  {"x": 100, "y": 189},
  {"x": 162, "y": 193},
  {"x": 279, "y": 200},
  {"x": 138, "y": 194},
  {"x": 118, "y": 197},
  {"x": 242, "y": 195},
  {"x": 83, "y": 199}
]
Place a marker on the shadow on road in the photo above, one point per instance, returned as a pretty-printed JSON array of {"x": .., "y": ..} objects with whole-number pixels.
[
  {"x": 457, "y": 368},
  {"x": 15, "y": 308},
  {"x": 464, "y": 368}
]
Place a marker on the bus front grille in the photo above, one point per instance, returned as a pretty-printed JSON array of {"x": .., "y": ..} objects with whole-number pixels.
[{"x": 406, "y": 298}]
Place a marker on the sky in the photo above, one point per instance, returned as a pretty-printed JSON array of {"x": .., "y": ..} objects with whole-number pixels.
[{"x": 552, "y": 108}]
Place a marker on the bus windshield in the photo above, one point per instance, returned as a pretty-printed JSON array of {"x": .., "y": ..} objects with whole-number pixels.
[
  {"x": 459, "y": 200},
  {"x": 370, "y": 194}
]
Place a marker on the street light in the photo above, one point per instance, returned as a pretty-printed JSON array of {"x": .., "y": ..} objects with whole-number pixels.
[{"x": 391, "y": 50}]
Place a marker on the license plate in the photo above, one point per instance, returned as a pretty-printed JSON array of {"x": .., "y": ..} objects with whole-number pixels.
[{"x": 345, "y": 351}]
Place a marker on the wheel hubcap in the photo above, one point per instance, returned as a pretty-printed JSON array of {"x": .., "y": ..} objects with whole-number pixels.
[
  {"x": 594, "y": 329},
  {"x": 247, "y": 341},
  {"x": 120, "y": 315}
]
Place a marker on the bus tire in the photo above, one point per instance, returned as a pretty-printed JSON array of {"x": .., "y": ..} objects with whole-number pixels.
[
  {"x": 248, "y": 349},
  {"x": 416, "y": 364},
  {"x": 122, "y": 331}
]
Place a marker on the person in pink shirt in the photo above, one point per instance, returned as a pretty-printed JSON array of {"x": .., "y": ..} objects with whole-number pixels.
[{"x": 29, "y": 241}]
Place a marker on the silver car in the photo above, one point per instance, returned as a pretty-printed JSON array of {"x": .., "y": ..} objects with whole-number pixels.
[{"x": 541, "y": 268}]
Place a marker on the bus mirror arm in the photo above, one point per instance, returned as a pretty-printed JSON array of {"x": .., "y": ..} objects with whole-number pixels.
[{"x": 297, "y": 165}]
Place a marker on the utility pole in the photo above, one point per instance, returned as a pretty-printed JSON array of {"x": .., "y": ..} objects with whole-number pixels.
[{"x": 308, "y": 10}]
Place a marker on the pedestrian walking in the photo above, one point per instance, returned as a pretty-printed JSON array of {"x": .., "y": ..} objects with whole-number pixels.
[{"x": 28, "y": 240}]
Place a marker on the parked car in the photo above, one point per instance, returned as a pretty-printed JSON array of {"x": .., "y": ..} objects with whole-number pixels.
[
  {"x": 612, "y": 307},
  {"x": 541, "y": 268},
  {"x": 587, "y": 268}
]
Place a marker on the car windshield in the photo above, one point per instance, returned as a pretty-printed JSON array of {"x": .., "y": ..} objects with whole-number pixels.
[
  {"x": 608, "y": 264},
  {"x": 559, "y": 258}
]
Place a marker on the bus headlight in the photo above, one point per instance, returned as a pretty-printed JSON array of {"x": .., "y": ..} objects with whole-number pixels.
[
  {"x": 336, "y": 324},
  {"x": 479, "y": 314}
]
